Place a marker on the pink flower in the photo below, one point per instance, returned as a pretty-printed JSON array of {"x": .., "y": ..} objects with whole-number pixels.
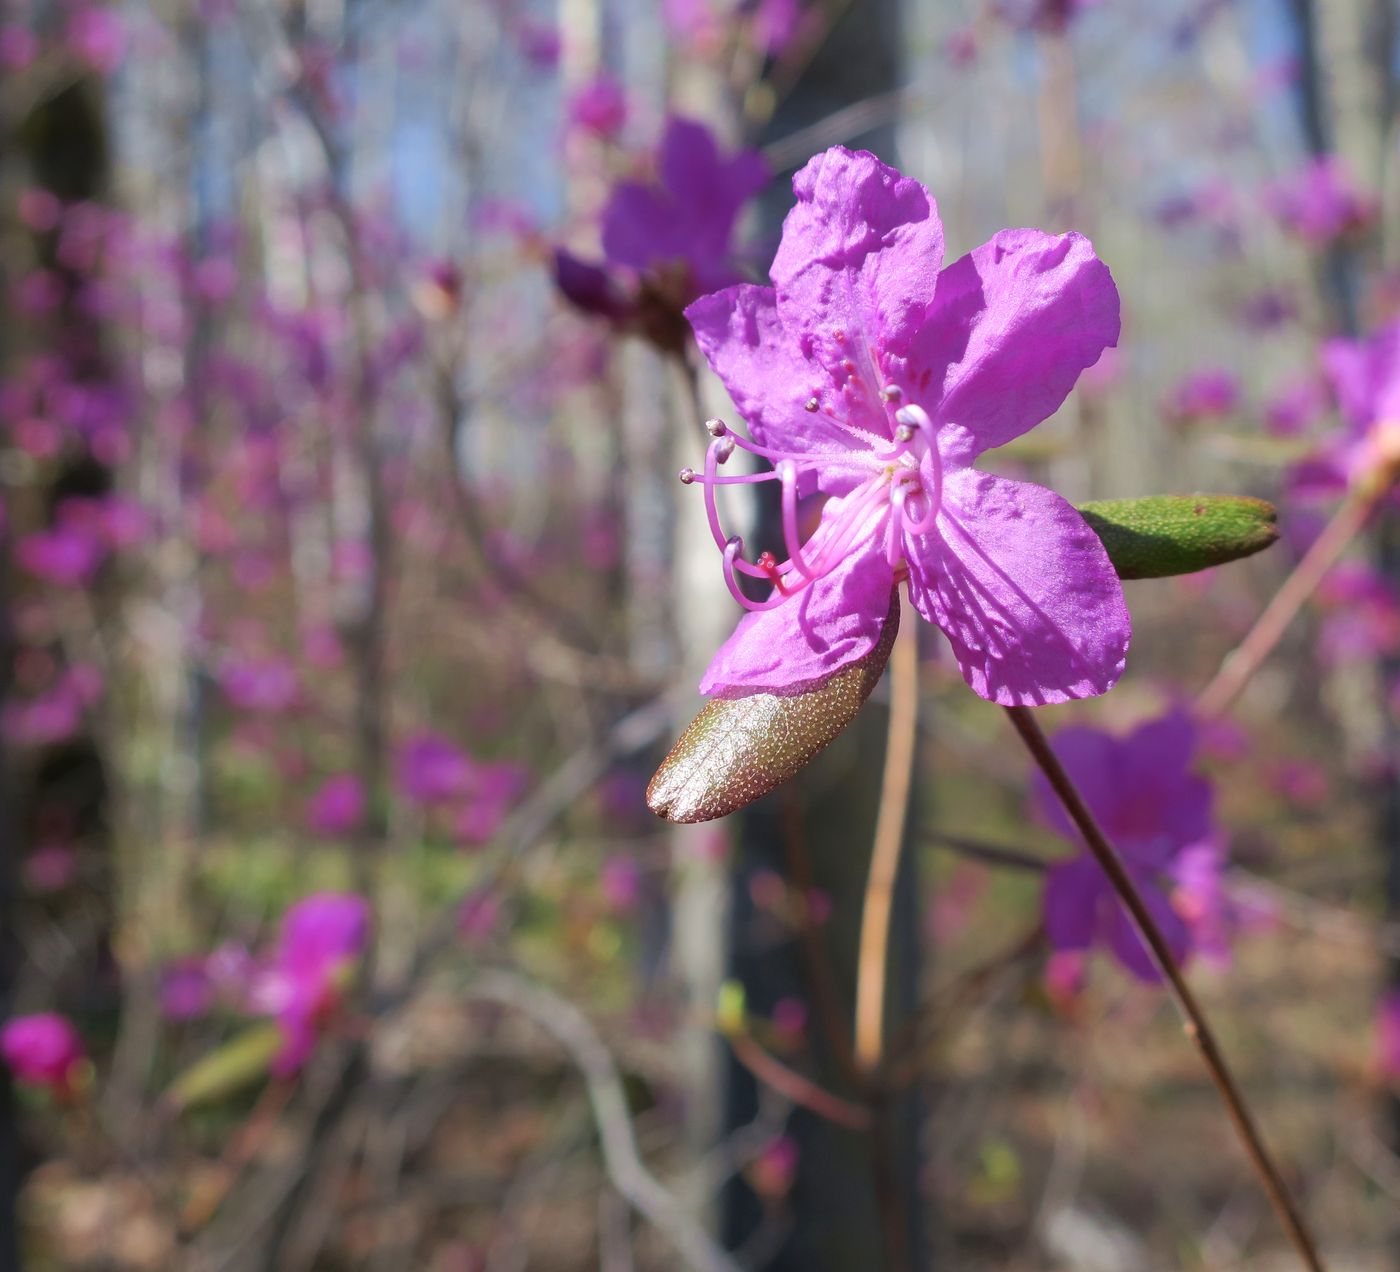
[
  {"x": 18, "y": 47},
  {"x": 871, "y": 374},
  {"x": 775, "y": 1169},
  {"x": 1153, "y": 808},
  {"x": 666, "y": 240},
  {"x": 478, "y": 917},
  {"x": 1361, "y": 614},
  {"x": 1043, "y": 15},
  {"x": 260, "y": 684},
  {"x": 599, "y": 107},
  {"x": 432, "y": 771},
  {"x": 1388, "y": 1035},
  {"x": 1365, "y": 377},
  {"x": 322, "y": 937},
  {"x": 776, "y": 24},
  {"x": 1296, "y": 406},
  {"x": 95, "y": 35},
  {"x": 493, "y": 792},
  {"x": 620, "y": 882},
  {"x": 42, "y": 1050},
  {"x": 1320, "y": 202},
  {"x": 539, "y": 42},
  {"x": 186, "y": 991},
  {"x": 1208, "y": 394},
  {"x": 68, "y": 555},
  {"x": 338, "y": 807}
]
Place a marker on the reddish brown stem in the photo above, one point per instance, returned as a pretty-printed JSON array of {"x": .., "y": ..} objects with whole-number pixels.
[
  {"x": 790, "y": 1084},
  {"x": 1196, "y": 1026}
]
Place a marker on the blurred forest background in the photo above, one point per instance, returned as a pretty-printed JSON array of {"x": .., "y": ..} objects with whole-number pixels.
[{"x": 348, "y": 600}]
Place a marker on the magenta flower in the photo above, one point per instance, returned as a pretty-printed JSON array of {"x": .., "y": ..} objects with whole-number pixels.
[
  {"x": 1388, "y": 1035},
  {"x": 1209, "y": 394},
  {"x": 493, "y": 791},
  {"x": 186, "y": 990},
  {"x": 1365, "y": 377},
  {"x": 1320, "y": 202},
  {"x": 668, "y": 240},
  {"x": 1361, "y": 614},
  {"x": 620, "y": 881},
  {"x": 599, "y": 107},
  {"x": 42, "y": 1050},
  {"x": 872, "y": 375},
  {"x": 1141, "y": 790},
  {"x": 322, "y": 937},
  {"x": 67, "y": 555},
  {"x": 1201, "y": 896},
  {"x": 433, "y": 771},
  {"x": 95, "y": 36},
  {"x": 338, "y": 806},
  {"x": 1043, "y": 15},
  {"x": 260, "y": 684},
  {"x": 1296, "y": 406}
]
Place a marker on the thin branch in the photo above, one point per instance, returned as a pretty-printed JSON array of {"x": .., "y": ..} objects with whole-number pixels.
[
  {"x": 625, "y": 1168},
  {"x": 873, "y": 964},
  {"x": 1197, "y": 1027},
  {"x": 793, "y": 1086},
  {"x": 989, "y": 853}
]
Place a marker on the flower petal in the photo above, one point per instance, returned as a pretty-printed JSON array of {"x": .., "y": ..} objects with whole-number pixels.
[
  {"x": 1024, "y": 591},
  {"x": 1011, "y": 326},
  {"x": 739, "y": 332},
  {"x": 832, "y": 623},
  {"x": 855, "y": 272},
  {"x": 1087, "y": 755},
  {"x": 1073, "y": 890},
  {"x": 1121, "y": 934}
]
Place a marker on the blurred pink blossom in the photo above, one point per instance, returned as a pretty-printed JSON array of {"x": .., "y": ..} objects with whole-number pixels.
[
  {"x": 95, "y": 35},
  {"x": 1320, "y": 202},
  {"x": 1211, "y": 393},
  {"x": 599, "y": 107},
  {"x": 338, "y": 807},
  {"x": 322, "y": 937},
  {"x": 42, "y": 1050},
  {"x": 1388, "y": 1035},
  {"x": 620, "y": 881},
  {"x": 266, "y": 685}
]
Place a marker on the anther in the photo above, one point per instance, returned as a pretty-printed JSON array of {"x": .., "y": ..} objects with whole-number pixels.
[
  {"x": 716, "y": 428},
  {"x": 812, "y": 404},
  {"x": 687, "y": 475},
  {"x": 891, "y": 393},
  {"x": 724, "y": 449},
  {"x": 904, "y": 433}
]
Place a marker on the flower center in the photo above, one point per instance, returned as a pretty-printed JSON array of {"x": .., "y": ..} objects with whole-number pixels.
[{"x": 900, "y": 495}]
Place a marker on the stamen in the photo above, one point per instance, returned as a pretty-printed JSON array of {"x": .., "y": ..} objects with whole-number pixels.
[
  {"x": 687, "y": 475},
  {"x": 716, "y": 427},
  {"x": 812, "y": 404},
  {"x": 788, "y": 472}
]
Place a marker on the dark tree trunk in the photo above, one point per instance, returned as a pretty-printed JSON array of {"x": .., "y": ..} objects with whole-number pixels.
[{"x": 817, "y": 833}]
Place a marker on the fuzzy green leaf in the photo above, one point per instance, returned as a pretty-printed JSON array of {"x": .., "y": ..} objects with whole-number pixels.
[{"x": 1161, "y": 535}]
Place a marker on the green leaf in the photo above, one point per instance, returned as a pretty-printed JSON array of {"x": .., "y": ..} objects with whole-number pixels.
[
  {"x": 242, "y": 1060},
  {"x": 738, "y": 749},
  {"x": 1162, "y": 535}
]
